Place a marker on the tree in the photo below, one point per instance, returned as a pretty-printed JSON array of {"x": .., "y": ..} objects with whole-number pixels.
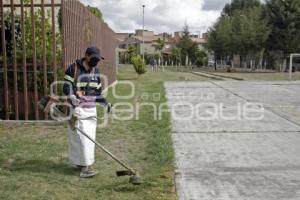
[
  {"x": 284, "y": 18},
  {"x": 243, "y": 31},
  {"x": 201, "y": 58},
  {"x": 239, "y": 5},
  {"x": 253, "y": 32},
  {"x": 221, "y": 38},
  {"x": 159, "y": 46},
  {"x": 176, "y": 55},
  {"x": 185, "y": 43}
]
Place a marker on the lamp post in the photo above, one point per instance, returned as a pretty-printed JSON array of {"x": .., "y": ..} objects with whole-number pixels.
[{"x": 143, "y": 48}]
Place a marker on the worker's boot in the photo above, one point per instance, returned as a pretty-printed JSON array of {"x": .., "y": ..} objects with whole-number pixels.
[{"x": 87, "y": 172}]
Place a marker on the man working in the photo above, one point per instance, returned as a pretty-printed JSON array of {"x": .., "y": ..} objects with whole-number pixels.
[{"x": 83, "y": 88}]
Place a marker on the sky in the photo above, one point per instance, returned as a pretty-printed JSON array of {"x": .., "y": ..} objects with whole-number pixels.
[{"x": 160, "y": 15}]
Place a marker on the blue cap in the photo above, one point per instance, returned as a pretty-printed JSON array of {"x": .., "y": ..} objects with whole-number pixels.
[{"x": 95, "y": 52}]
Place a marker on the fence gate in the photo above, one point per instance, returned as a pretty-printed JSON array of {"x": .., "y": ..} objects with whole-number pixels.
[{"x": 39, "y": 38}]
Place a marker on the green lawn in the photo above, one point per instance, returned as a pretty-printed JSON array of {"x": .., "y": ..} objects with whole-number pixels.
[
  {"x": 247, "y": 76},
  {"x": 34, "y": 160},
  {"x": 126, "y": 72},
  {"x": 261, "y": 76}
]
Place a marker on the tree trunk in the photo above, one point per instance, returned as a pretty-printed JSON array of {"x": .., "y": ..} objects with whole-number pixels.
[
  {"x": 162, "y": 58},
  {"x": 215, "y": 63},
  {"x": 261, "y": 57},
  {"x": 283, "y": 65},
  {"x": 186, "y": 60},
  {"x": 241, "y": 61}
]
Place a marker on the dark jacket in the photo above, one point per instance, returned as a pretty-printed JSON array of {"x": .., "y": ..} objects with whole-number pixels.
[{"x": 90, "y": 84}]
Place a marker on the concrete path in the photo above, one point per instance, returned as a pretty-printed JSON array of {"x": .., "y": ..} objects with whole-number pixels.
[
  {"x": 232, "y": 157},
  {"x": 210, "y": 76},
  {"x": 216, "y": 77}
]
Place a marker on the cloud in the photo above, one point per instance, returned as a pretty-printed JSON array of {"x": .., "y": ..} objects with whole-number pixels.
[
  {"x": 160, "y": 15},
  {"x": 214, "y": 4}
]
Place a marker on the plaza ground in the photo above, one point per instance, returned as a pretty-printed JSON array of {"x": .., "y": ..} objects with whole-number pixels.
[{"x": 236, "y": 158}]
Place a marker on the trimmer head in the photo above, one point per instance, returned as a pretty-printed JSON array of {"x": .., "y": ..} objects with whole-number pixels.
[{"x": 134, "y": 178}]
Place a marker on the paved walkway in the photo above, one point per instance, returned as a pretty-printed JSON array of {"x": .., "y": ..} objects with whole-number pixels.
[{"x": 235, "y": 158}]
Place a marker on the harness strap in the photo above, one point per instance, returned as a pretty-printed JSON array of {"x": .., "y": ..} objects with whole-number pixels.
[{"x": 76, "y": 75}]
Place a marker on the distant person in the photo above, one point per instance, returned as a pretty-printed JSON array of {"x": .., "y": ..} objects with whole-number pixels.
[{"x": 152, "y": 64}]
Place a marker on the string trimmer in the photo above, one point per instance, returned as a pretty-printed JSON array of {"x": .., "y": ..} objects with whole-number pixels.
[{"x": 48, "y": 103}]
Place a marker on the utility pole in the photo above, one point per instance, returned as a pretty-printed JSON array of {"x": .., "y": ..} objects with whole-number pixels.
[{"x": 143, "y": 48}]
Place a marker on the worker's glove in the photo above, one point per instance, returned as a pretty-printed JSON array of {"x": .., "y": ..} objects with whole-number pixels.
[{"x": 74, "y": 100}]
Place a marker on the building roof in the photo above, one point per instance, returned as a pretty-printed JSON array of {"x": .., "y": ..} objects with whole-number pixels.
[
  {"x": 148, "y": 39},
  {"x": 199, "y": 40},
  {"x": 122, "y": 36}
]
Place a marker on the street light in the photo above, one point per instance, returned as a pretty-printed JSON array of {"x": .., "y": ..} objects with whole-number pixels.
[{"x": 143, "y": 52}]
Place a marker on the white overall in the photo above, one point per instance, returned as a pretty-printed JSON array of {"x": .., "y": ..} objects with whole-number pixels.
[{"x": 81, "y": 149}]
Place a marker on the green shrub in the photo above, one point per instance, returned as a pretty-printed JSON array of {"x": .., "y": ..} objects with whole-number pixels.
[
  {"x": 201, "y": 58},
  {"x": 139, "y": 65}
]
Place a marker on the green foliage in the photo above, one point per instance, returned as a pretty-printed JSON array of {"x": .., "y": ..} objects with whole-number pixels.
[
  {"x": 9, "y": 38},
  {"x": 156, "y": 56},
  {"x": 138, "y": 64},
  {"x": 131, "y": 51},
  {"x": 29, "y": 46},
  {"x": 60, "y": 21},
  {"x": 185, "y": 43},
  {"x": 147, "y": 57},
  {"x": 38, "y": 35},
  {"x": 221, "y": 37},
  {"x": 239, "y": 5},
  {"x": 248, "y": 27},
  {"x": 193, "y": 52},
  {"x": 201, "y": 58},
  {"x": 176, "y": 54},
  {"x": 255, "y": 32},
  {"x": 159, "y": 46},
  {"x": 96, "y": 12},
  {"x": 284, "y": 18},
  {"x": 243, "y": 32}
]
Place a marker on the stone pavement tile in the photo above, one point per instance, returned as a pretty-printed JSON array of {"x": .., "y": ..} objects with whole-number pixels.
[
  {"x": 184, "y": 120},
  {"x": 281, "y": 184},
  {"x": 254, "y": 166},
  {"x": 238, "y": 159},
  {"x": 237, "y": 150}
]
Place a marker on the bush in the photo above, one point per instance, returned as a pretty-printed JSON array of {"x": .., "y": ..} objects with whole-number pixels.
[
  {"x": 201, "y": 58},
  {"x": 138, "y": 65}
]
